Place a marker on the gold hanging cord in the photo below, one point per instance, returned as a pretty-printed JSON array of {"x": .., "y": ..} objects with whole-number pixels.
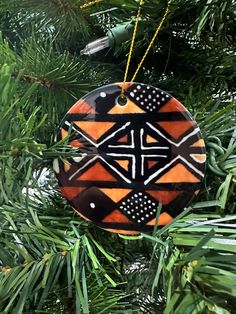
[
  {"x": 148, "y": 48},
  {"x": 88, "y": 4}
]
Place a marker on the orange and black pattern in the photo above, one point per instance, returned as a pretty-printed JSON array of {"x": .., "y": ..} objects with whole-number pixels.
[{"x": 132, "y": 158}]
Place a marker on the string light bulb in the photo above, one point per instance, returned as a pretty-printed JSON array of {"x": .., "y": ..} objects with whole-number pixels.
[
  {"x": 96, "y": 46},
  {"x": 114, "y": 37}
]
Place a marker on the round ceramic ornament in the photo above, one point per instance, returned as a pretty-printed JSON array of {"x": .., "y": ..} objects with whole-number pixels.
[{"x": 132, "y": 157}]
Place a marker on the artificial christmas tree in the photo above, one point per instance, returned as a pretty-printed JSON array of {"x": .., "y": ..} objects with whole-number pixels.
[{"x": 51, "y": 260}]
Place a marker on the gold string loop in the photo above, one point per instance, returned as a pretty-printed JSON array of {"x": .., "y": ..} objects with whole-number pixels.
[
  {"x": 88, "y": 4},
  {"x": 131, "y": 47},
  {"x": 148, "y": 48}
]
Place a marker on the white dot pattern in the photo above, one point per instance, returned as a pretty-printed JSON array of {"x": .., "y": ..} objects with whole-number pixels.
[
  {"x": 139, "y": 207},
  {"x": 147, "y": 97}
]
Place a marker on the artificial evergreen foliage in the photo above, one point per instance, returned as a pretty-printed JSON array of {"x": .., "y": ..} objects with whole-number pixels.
[{"x": 51, "y": 261}]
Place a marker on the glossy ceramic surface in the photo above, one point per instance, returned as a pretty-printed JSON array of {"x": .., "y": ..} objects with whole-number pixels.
[{"x": 132, "y": 158}]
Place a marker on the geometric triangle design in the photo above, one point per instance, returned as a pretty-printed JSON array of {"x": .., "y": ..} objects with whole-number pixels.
[
  {"x": 130, "y": 107},
  {"x": 76, "y": 143},
  {"x": 150, "y": 139},
  {"x": 95, "y": 132},
  {"x": 96, "y": 173},
  {"x": 163, "y": 219},
  {"x": 70, "y": 192},
  {"x": 64, "y": 133},
  {"x": 125, "y": 85},
  {"x": 199, "y": 143},
  {"x": 123, "y": 139},
  {"x": 176, "y": 128},
  {"x": 67, "y": 166},
  {"x": 116, "y": 194},
  {"x": 81, "y": 107},
  {"x": 178, "y": 174},
  {"x": 151, "y": 163},
  {"x": 152, "y": 222},
  {"x": 123, "y": 163},
  {"x": 201, "y": 158},
  {"x": 164, "y": 197},
  {"x": 115, "y": 216},
  {"x": 172, "y": 105}
]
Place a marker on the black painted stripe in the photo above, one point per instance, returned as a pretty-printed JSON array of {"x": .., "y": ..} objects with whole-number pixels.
[
  {"x": 150, "y": 117},
  {"x": 138, "y": 186}
]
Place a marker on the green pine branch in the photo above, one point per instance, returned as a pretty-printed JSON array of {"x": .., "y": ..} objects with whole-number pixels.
[{"x": 39, "y": 260}]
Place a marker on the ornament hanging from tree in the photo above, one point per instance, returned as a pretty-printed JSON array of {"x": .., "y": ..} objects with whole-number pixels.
[
  {"x": 133, "y": 156},
  {"x": 139, "y": 147}
]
